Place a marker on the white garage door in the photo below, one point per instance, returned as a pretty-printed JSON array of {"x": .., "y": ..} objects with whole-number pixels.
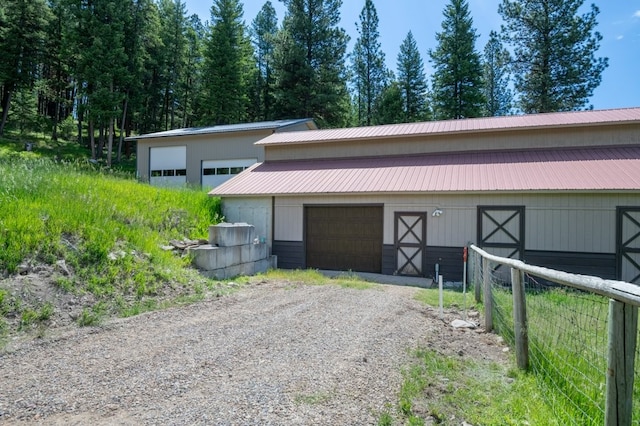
[
  {"x": 168, "y": 166},
  {"x": 215, "y": 172}
]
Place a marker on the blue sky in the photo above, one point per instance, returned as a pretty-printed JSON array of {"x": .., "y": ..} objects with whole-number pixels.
[{"x": 618, "y": 22}]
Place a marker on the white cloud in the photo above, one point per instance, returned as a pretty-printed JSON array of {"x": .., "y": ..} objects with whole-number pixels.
[
  {"x": 620, "y": 37},
  {"x": 637, "y": 14}
]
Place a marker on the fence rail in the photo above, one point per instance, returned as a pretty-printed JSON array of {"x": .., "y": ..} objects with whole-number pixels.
[{"x": 564, "y": 328}]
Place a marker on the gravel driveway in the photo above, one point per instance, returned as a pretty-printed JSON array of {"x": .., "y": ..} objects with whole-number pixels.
[{"x": 273, "y": 353}]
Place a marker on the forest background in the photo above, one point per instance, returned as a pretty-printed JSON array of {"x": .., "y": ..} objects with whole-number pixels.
[{"x": 100, "y": 70}]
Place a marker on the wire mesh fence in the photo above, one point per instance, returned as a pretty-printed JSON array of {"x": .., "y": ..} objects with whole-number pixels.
[{"x": 567, "y": 341}]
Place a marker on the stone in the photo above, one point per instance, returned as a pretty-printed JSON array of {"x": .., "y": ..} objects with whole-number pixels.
[{"x": 462, "y": 324}]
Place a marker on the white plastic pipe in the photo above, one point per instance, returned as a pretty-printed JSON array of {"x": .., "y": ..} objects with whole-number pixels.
[{"x": 441, "y": 291}]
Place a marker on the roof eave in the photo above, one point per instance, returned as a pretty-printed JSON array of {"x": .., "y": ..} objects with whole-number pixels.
[
  {"x": 450, "y": 192},
  {"x": 454, "y": 132}
]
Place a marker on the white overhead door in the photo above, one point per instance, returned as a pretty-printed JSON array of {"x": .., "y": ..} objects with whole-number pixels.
[
  {"x": 215, "y": 172},
  {"x": 168, "y": 166}
]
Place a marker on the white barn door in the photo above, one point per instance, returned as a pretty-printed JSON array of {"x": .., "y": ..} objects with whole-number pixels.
[{"x": 168, "y": 166}]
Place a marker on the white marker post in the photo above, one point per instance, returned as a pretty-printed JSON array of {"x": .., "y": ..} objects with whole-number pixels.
[{"x": 441, "y": 291}]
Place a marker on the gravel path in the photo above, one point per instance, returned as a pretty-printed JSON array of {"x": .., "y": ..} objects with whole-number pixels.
[{"x": 272, "y": 353}]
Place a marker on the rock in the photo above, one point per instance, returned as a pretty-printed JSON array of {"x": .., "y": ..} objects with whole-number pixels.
[
  {"x": 23, "y": 269},
  {"x": 115, "y": 255},
  {"x": 462, "y": 324},
  {"x": 180, "y": 245},
  {"x": 62, "y": 266}
]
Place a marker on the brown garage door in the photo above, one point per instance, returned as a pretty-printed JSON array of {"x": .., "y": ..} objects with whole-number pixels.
[{"x": 344, "y": 238}]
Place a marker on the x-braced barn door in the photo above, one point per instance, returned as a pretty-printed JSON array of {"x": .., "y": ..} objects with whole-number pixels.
[
  {"x": 410, "y": 242},
  {"x": 628, "y": 244},
  {"x": 501, "y": 230}
]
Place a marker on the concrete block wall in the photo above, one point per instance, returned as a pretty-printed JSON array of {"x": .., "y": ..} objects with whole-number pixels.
[{"x": 232, "y": 250}]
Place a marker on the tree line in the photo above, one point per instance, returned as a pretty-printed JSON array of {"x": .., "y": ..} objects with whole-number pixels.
[{"x": 102, "y": 69}]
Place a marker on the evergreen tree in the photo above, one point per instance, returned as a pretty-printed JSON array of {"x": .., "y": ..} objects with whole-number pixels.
[
  {"x": 263, "y": 30},
  {"x": 554, "y": 47},
  {"x": 140, "y": 29},
  {"x": 173, "y": 21},
  {"x": 369, "y": 70},
  {"x": 102, "y": 68},
  {"x": 21, "y": 48},
  {"x": 498, "y": 96},
  {"x": 390, "y": 105},
  {"x": 412, "y": 81},
  {"x": 148, "y": 110},
  {"x": 310, "y": 62},
  {"x": 227, "y": 67},
  {"x": 191, "y": 80},
  {"x": 56, "y": 89},
  {"x": 457, "y": 77}
]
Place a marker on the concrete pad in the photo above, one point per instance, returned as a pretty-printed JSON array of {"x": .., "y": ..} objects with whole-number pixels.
[{"x": 385, "y": 279}]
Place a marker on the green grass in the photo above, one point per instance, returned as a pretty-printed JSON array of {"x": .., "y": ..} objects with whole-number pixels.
[
  {"x": 450, "y": 299},
  {"x": 448, "y": 390},
  {"x": 108, "y": 228},
  {"x": 567, "y": 349},
  {"x": 313, "y": 277}
]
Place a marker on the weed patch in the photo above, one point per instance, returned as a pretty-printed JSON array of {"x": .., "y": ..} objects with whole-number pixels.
[{"x": 449, "y": 390}]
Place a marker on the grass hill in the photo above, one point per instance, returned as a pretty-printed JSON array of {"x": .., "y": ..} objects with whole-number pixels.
[{"x": 79, "y": 241}]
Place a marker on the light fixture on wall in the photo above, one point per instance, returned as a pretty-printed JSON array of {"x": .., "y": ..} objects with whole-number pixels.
[{"x": 437, "y": 213}]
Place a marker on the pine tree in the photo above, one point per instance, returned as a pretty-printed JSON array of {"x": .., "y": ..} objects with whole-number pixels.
[
  {"x": 263, "y": 30},
  {"x": 554, "y": 48},
  {"x": 310, "y": 62},
  {"x": 412, "y": 81},
  {"x": 56, "y": 90},
  {"x": 173, "y": 21},
  {"x": 227, "y": 66},
  {"x": 369, "y": 70},
  {"x": 390, "y": 104},
  {"x": 497, "y": 94},
  {"x": 140, "y": 29},
  {"x": 457, "y": 77},
  {"x": 102, "y": 68},
  {"x": 191, "y": 81},
  {"x": 148, "y": 106},
  {"x": 21, "y": 48}
]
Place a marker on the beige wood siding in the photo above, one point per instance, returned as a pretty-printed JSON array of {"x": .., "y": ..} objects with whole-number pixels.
[
  {"x": 461, "y": 142},
  {"x": 559, "y": 222},
  {"x": 254, "y": 211}
]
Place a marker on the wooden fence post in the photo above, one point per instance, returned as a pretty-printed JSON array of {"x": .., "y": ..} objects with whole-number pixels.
[
  {"x": 623, "y": 329},
  {"x": 488, "y": 300},
  {"x": 520, "y": 328}
]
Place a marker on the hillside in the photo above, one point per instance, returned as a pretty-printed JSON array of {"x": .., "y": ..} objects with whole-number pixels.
[{"x": 78, "y": 241}]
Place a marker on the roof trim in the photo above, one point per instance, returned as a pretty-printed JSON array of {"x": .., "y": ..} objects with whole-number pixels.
[
  {"x": 275, "y": 125},
  {"x": 554, "y": 120}
]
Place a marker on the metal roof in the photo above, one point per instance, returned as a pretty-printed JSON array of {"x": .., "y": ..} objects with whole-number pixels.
[
  {"x": 571, "y": 169},
  {"x": 505, "y": 123},
  {"x": 227, "y": 128}
]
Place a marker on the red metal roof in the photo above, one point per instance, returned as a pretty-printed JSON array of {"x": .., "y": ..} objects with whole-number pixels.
[
  {"x": 512, "y": 122},
  {"x": 584, "y": 169}
]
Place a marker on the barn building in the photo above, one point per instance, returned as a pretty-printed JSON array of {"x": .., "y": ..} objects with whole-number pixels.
[
  {"x": 560, "y": 190},
  {"x": 206, "y": 156}
]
